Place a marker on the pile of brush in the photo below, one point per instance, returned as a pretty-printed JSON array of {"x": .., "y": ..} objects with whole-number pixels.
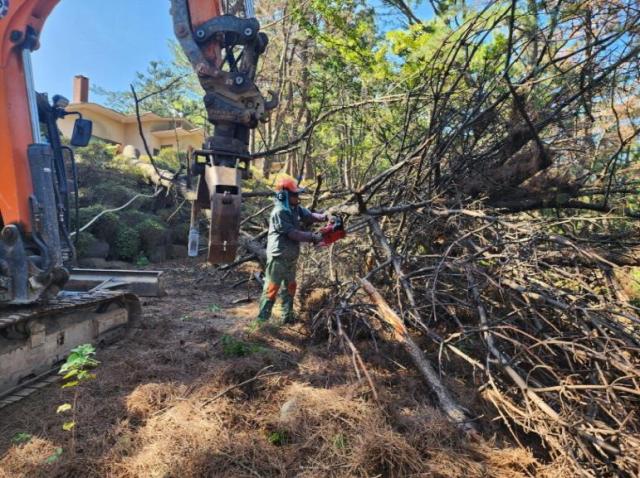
[{"x": 532, "y": 311}]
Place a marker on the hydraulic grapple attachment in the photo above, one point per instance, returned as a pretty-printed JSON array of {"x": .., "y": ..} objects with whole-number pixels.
[{"x": 224, "y": 51}]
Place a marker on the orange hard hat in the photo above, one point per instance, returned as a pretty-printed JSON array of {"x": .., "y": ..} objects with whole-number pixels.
[{"x": 288, "y": 184}]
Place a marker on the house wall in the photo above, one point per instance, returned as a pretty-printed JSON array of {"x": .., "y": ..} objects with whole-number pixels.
[
  {"x": 195, "y": 140},
  {"x": 109, "y": 129},
  {"x": 104, "y": 127},
  {"x": 132, "y": 137}
]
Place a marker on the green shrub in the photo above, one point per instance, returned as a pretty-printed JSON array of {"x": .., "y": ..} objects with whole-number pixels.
[
  {"x": 126, "y": 166},
  {"x": 86, "y": 214},
  {"x": 152, "y": 234},
  {"x": 133, "y": 216},
  {"x": 180, "y": 234},
  {"x": 85, "y": 239},
  {"x": 96, "y": 153},
  {"x": 232, "y": 347},
  {"x": 112, "y": 193},
  {"x": 169, "y": 159},
  {"x": 127, "y": 243},
  {"x": 106, "y": 227}
]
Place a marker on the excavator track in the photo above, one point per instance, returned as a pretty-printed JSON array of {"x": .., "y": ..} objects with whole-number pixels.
[{"x": 36, "y": 339}]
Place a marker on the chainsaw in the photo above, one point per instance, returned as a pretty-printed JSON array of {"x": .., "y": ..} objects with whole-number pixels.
[{"x": 332, "y": 232}]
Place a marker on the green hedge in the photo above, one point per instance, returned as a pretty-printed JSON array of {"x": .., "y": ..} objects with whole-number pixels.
[{"x": 127, "y": 244}]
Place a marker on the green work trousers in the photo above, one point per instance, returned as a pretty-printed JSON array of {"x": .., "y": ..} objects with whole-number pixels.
[{"x": 280, "y": 276}]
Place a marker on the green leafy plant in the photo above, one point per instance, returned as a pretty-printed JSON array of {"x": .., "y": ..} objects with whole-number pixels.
[
  {"x": 21, "y": 438},
  {"x": 214, "y": 308},
  {"x": 75, "y": 371},
  {"x": 278, "y": 438},
  {"x": 55, "y": 457},
  {"x": 340, "y": 441},
  {"x": 232, "y": 347},
  {"x": 142, "y": 261}
]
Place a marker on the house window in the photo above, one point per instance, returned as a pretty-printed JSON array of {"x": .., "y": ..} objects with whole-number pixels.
[{"x": 166, "y": 146}]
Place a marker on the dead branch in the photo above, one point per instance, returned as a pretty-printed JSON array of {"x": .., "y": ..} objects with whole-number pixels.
[{"x": 455, "y": 413}]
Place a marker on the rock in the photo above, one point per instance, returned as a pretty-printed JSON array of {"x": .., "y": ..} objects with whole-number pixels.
[
  {"x": 289, "y": 410},
  {"x": 93, "y": 263},
  {"x": 179, "y": 251},
  {"x": 97, "y": 248},
  {"x": 130, "y": 152}
]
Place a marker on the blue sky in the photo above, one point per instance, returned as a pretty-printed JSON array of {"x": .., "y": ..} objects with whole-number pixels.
[
  {"x": 109, "y": 40},
  {"x": 106, "y": 40}
]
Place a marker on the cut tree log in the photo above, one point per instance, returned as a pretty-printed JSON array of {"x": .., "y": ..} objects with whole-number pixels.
[{"x": 453, "y": 410}]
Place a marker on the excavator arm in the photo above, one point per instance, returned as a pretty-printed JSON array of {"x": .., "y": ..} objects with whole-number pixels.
[{"x": 35, "y": 249}]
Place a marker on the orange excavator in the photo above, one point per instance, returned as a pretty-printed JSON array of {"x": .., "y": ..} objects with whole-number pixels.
[{"x": 40, "y": 322}]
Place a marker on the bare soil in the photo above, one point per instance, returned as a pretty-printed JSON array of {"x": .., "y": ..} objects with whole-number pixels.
[{"x": 180, "y": 398}]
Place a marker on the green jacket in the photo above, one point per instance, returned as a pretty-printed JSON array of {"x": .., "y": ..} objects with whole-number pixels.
[{"x": 282, "y": 222}]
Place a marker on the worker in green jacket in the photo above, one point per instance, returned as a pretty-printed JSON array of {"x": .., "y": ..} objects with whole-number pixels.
[{"x": 283, "y": 248}]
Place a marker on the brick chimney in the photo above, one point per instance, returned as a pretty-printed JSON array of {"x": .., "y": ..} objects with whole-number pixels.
[{"x": 80, "y": 89}]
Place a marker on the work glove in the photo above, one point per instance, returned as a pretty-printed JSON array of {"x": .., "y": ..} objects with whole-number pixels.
[{"x": 316, "y": 237}]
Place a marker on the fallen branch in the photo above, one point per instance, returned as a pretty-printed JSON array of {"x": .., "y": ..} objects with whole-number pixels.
[
  {"x": 454, "y": 412},
  {"x": 252, "y": 245}
]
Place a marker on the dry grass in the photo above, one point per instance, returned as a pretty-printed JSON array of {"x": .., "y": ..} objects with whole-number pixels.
[
  {"x": 151, "y": 398},
  {"x": 26, "y": 461},
  {"x": 151, "y": 414},
  {"x": 298, "y": 430},
  {"x": 281, "y": 427}
]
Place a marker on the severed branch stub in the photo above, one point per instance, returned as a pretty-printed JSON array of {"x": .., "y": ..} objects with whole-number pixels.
[{"x": 454, "y": 412}]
